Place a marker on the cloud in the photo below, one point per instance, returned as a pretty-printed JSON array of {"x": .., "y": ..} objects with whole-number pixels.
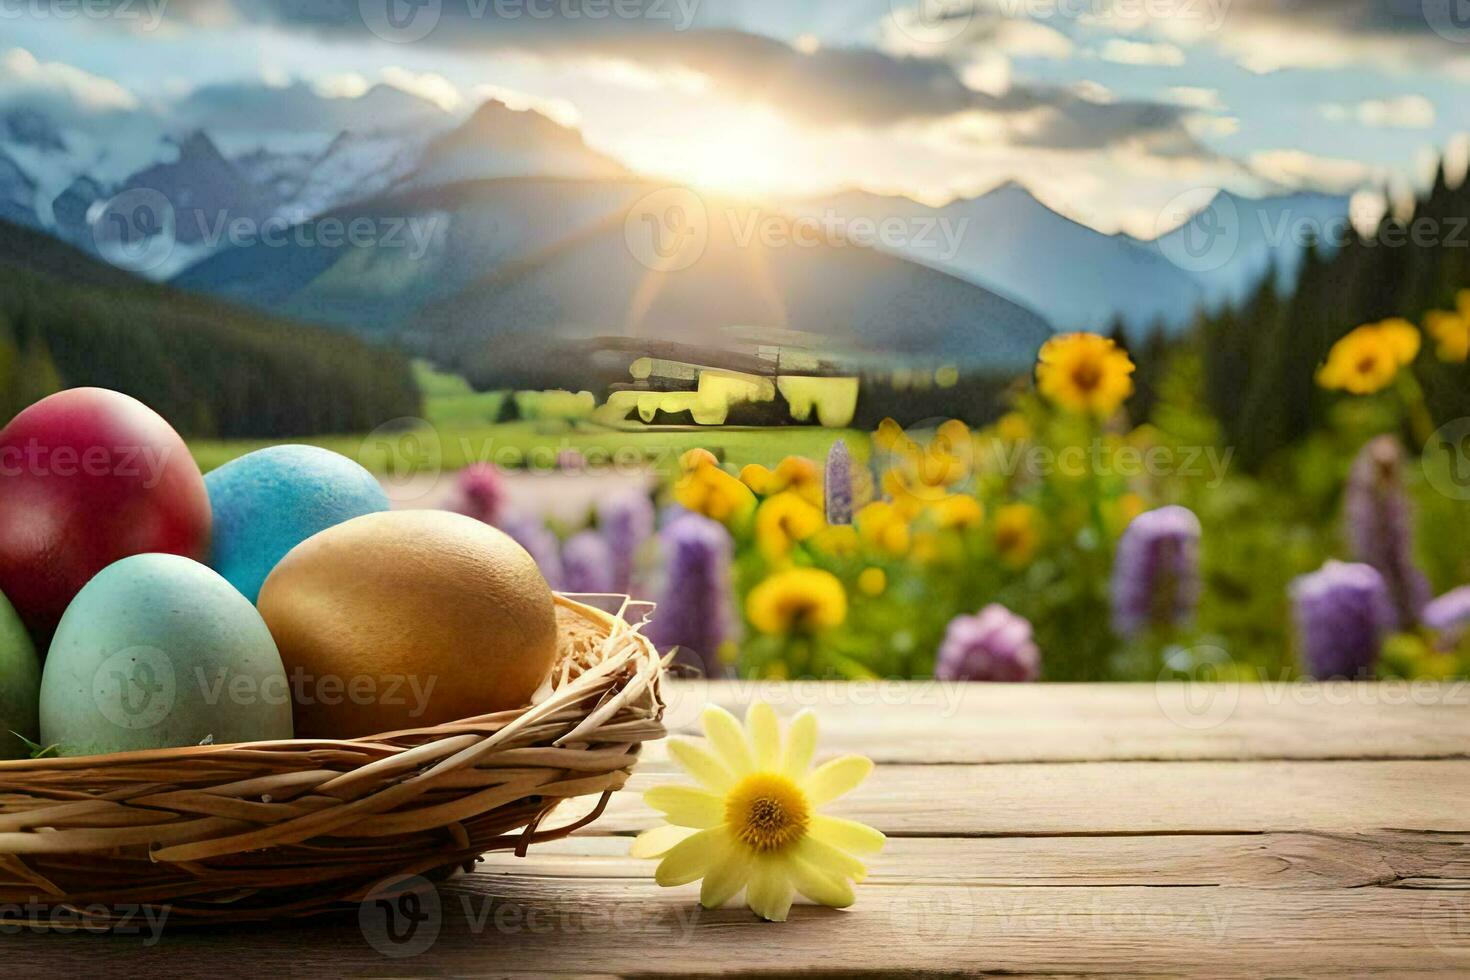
[
  {"x": 1140, "y": 53},
  {"x": 1195, "y": 98},
  {"x": 1401, "y": 112},
  {"x": 429, "y": 86},
  {"x": 67, "y": 91},
  {"x": 1296, "y": 168}
]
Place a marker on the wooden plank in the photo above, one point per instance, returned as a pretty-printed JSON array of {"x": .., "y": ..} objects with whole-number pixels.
[
  {"x": 494, "y": 927},
  {"x": 937, "y": 722},
  {"x": 1275, "y": 860},
  {"x": 1132, "y": 798}
]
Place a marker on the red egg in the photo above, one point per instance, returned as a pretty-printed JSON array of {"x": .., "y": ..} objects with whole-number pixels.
[{"x": 89, "y": 476}]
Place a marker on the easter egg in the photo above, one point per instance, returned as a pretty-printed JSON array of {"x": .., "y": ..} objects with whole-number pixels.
[
  {"x": 408, "y": 619},
  {"x": 88, "y": 476},
  {"x": 159, "y": 651},
  {"x": 20, "y": 684},
  {"x": 267, "y": 502}
]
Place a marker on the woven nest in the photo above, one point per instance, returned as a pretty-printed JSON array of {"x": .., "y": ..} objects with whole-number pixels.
[{"x": 265, "y": 829}]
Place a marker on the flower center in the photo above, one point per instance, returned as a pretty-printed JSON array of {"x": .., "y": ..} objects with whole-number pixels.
[
  {"x": 1367, "y": 363},
  {"x": 767, "y": 812},
  {"x": 1087, "y": 375}
]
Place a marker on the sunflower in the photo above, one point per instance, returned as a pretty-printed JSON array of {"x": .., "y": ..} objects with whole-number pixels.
[
  {"x": 1451, "y": 330},
  {"x": 1016, "y": 535},
  {"x": 1369, "y": 358},
  {"x": 784, "y": 520},
  {"x": 1084, "y": 373},
  {"x": 958, "y": 510},
  {"x": 752, "y": 822},
  {"x": 797, "y": 600}
]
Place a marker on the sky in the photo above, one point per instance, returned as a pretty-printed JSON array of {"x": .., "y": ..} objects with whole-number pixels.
[{"x": 1107, "y": 110}]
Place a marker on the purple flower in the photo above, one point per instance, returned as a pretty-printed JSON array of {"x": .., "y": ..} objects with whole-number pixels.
[
  {"x": 839, "y": 484},
  {"x": 534, "y": 536},
  {"x": 1156, "y": 571},
  {"x": 994, "y": 645},
  {"x": 1380, "y": 525},
  {"x": 694, "y": 609},
  {"x": 626, "y": 520},
  {"x": 1342, "y": 612},
  {"x": 480, "y": 492},
  {"x": 1449, "y": 615},
  {"x": 586, "y": 563}
]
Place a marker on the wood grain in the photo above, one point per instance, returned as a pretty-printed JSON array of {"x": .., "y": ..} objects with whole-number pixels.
[{"x": 1128, "y": 830}]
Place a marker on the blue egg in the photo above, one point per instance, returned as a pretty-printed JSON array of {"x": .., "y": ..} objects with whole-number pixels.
[
  {"x": 158, "y": 651},
  {"x": 269, "y": 501}
]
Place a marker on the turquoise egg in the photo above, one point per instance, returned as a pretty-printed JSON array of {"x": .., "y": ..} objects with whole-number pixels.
[
  {"x": 269, "y": 501},
  {"x": 20, "y": 684},
  {"x": 159, "y": 651}
]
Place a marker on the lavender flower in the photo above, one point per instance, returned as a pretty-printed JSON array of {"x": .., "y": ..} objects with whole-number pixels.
[
  {"x": 1342, "y": 612},
  {"x": 994, "y": 645},
  {"x": 1156, "y": 571},
  {"x": 839, "y": 484},
  {"x": 626, "y": 520},
  {"x": 586, "y": 563},
  {"x": 1448, "y": 616},
  {"x": 694, "y": 610},
  {"x": 480, "y": 492},
  {"x": 534, "y": 536},
  {"x": 1380, "y": 525}
]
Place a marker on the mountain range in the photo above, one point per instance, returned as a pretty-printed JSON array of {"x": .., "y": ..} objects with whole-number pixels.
[{"x": 505, "y": 225}]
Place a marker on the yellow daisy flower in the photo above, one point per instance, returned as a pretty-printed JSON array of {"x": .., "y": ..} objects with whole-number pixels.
[
  {"x": 752, "y": 821},
  {"x": 958, "y": 510},
  {"x": 840, "y": 540},
  {"x": 883, "y": 526},
  {"x": 1451, "y": 330},
  {"x": 783, "y": 521},
  {"x": 1369, "y": 358},
  {"x": 872, "y": 581},
  {"x": 1016, "y": 535},
  {"x": 758, "y": 478},
  {"x": 797, "y": 600},
  {"x": 1084, "y": 373},
  {"x": 710, "y": 491},
  {"x": 1013, "y": 427}
]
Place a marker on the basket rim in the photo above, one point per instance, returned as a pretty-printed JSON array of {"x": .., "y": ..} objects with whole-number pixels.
[{"x": 379, "y": 743}]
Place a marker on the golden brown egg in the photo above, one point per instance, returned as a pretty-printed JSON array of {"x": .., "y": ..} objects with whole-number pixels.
[{"x": 408, "y": 619}]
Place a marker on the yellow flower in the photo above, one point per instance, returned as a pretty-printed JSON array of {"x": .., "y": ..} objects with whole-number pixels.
[
  {"x": 758, "y": 478},
  {"x": 801, "y": 476},
  {"x": 752, "y": 821},
  {"x": 784, "y": 520},
  {"x": 1016, "y": 535},
  {"x": 840, "y": 540},
  {"x": 1369, "y": 358},
  {"x": 882, "y": 525},
  {"x": 1451, "y": 330},
  {"x": 1084, "y": 373},
  {"x": 889, "y": 437},
  {"x": 693, "y": 459},
  {"x": 1013, "y": 427},
  {"x": 958, "y": 510},
  {"x": 797, "y": 600},
  {"x": 710, "y": 491},
  {"x": 872, "y": 581}
]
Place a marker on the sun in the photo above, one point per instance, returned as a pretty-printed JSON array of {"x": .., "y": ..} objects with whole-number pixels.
[{"x": 744, "y": 151}]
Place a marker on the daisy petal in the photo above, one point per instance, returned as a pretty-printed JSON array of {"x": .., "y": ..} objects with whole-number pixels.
[
  {"x": 769, "y": 892},
  {"x": 728, "y": 739},
  {"x": 765, "y": 734},
  {"x": 801, "y": 742},
  {"x": 724, "y": 878},
  {"x": 824, "y": 889},
  {"x": 690, "y": 859},
  {"x": 830, "y": 860},
  {"x": 687, "y": 806},
  {"x": 702, "y": 765},
  {"x": 652, "y": 843},
  {"x": 833, "y": 779},
  {"x": 846, "y": 835}
]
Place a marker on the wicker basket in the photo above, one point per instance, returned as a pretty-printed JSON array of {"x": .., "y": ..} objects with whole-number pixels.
[{"x": 255, "y": 831}]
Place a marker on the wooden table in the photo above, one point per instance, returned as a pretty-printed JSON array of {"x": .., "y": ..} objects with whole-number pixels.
[{"x": 1317, "y": 830}]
